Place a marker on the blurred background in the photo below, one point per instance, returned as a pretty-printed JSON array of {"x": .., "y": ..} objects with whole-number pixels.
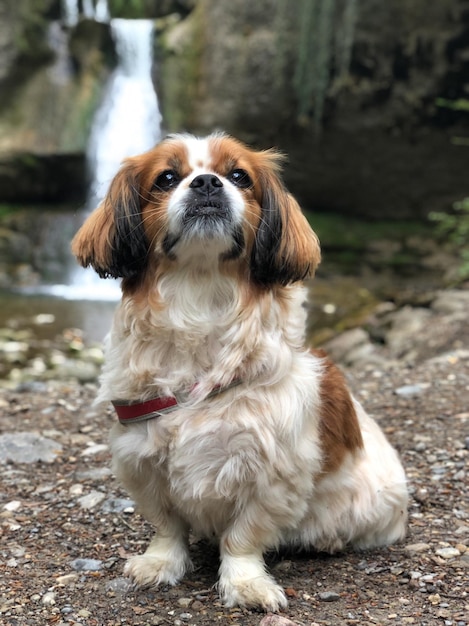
[{"x": 368, "y": 99}]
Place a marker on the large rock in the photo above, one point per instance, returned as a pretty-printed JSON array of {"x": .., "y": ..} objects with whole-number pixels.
[
  {"x": 51, "y": 86},
  {"x": 364, "y": 99},
  {"x": 29, "y": 176},
  {"x": 368, "y": 99},
  {"x": 23, "y": 45}
]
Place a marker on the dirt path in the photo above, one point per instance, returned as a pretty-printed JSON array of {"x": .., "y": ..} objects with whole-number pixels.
[{"x": 66, "y": 527}]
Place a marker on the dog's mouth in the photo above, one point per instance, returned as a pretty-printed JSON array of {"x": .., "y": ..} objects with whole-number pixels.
[
  {"x": 207, "y": 219},
  {"x": 209, "y": 222},
  {"x": 207, "y": 210}
]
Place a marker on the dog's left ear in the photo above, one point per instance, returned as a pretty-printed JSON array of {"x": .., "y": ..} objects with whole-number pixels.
[
  {"x": 285, "y": 249},
  {"x": 112, "y": 240}
]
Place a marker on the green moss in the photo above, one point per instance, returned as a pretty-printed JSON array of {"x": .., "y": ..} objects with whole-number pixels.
[
  {"x": 87, "y": 98},
  {"x": 129, "y": 9},
  {"x": 179, "y": 50},
  {"x": 353, "y": 234},
  {"x": 6, "y": 210}
]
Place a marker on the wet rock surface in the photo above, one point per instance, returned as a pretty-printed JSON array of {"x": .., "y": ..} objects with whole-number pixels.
[{"x": 67, "y": 527}]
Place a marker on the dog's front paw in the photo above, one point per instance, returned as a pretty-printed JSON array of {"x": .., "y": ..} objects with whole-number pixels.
[
  {"x": 147, "y": 570},
  {"x": 244, "y": 582}
]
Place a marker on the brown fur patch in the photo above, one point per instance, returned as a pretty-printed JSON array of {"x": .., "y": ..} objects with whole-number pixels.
[
  {"x": 299, "y": 249},
  {"x": 131, "y": 199},
  {"x": 91, "y": 243},
  {"x": 339, "y": 428}
]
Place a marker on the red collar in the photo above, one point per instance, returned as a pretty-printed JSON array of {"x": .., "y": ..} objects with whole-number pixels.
[{"x": 129, "y": 412}]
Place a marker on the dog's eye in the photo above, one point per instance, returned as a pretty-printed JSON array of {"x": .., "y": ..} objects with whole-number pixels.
[
  {"x": 166, "y": 180},
  {"x": 240, "y": 178}
]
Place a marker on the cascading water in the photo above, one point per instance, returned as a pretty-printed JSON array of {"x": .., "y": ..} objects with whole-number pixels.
[
  {"x": 128, "y": 122},
  {"x": 98, "y": 11}
]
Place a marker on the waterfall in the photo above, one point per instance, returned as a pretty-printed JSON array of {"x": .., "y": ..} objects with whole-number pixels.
[
  {"x": 128, "y": 120},
  {"x": 98, "y": 11},
  {"x": 126, "y": 123}
]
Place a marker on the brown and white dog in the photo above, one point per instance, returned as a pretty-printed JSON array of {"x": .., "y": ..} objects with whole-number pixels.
[{"x": 228, "y": 424}]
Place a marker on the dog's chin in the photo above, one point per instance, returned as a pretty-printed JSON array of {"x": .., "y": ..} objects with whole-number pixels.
[
  {"x": 206, "y": 222},
  {"x": 207, "y": 229}
]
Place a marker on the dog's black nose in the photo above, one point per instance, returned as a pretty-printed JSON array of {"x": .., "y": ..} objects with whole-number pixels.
[{"x": 206, "y": 182}]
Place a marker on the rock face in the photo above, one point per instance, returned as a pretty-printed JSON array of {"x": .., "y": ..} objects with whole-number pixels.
[
  {"x": 362, "y": 95},
  {"x": 369, "y": 99},
  {"x": 51, "y": 80}
]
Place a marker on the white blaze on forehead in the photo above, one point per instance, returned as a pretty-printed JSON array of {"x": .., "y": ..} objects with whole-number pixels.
[
  {"x": 200, "y": 161},
  {"x": 198, "y": 153}
]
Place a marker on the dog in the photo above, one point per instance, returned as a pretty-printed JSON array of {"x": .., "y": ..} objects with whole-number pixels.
[{"x": 227, "y": 424}]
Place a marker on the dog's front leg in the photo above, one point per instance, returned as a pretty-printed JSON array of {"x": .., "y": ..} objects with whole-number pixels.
[
  {"x": 244, "y": 580},
  {"x": 167, "y": 557}
]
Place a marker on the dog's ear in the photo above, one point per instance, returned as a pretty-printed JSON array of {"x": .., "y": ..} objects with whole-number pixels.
[
  {"x": 112, "y": 240},
  {"x": 285, "y": 249}
]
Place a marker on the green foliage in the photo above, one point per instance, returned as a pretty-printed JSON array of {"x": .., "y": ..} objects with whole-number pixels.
[
  {"x": 454, "y": 227},
  {"x": 6, "y": 210},
  {"x": 353, "y": 234},
  {"x": 461, "y": 104},
  {"x": 130, "y": 9}
]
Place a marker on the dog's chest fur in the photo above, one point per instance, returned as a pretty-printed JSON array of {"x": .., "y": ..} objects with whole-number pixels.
[
  {"x": 211, "y": 454},
  {"x": 200, "y": 331}
]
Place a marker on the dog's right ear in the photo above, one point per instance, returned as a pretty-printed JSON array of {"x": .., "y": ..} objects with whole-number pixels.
[{"x": 112, "y": 240}]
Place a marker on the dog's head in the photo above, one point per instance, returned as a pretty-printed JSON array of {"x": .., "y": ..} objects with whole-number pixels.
[{"x": 189, "y": 199}]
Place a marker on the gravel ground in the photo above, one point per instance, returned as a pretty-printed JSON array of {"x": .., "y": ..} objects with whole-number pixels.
[{"x": 66, "y": 527}]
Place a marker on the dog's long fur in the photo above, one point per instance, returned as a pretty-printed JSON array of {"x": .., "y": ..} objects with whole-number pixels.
[{"x": 212, "y": 250}]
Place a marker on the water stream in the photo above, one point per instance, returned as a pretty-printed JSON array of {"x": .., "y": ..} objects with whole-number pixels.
[{"x": 126, "y": 123}]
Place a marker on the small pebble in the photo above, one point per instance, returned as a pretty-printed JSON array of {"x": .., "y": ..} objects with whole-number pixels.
[
  {"x": 185, "y": 616},
  {"x": 421, "y": 495},
  {"x": 197, "y": 605},
  {"x": 447, "y": 553},
  {"x": 94, "y": 448},
  {"x": 86, "y": 565},
  {"x": 185, "y": 602},
  {"x": 76, "y": 490},
  {"x": 329, "y": 596},
  {"x": 12, "y": 506},
  {"x": 43, "y": 318},
  {"x": 283, "y": 566},
  {"x": 410, "y": 390},
  {"x": 66, "y": 610},
  {"x": 91, "y": 499},
  {"x": 119, "y": 585},
  {"x": 291, "y": 593},
  {"x": 118, "y": 505},
  {"x": 48, "y": 598},
  {"x": 417, "y": 547},
  {"x": 66, "y": 579},
  {"x": 276, "y": 620}
]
